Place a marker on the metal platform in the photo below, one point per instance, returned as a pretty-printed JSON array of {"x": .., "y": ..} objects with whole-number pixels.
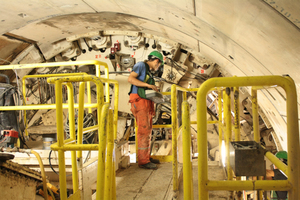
[{"x": 143, "y": 184}]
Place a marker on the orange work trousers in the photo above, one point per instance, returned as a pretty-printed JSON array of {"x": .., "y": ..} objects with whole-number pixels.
[{"x": 143, "y": 110}]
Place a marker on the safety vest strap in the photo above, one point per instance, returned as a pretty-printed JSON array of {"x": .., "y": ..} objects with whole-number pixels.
[{"x": 148, "y": 79}]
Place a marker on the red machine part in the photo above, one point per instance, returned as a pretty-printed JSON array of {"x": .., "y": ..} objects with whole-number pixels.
[
  {"x": 117, "y": 46},
  {"x": 10, "y": 133}
]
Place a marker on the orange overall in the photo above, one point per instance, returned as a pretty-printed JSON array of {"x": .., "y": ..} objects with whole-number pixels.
[{"x": 143, "y": 110}]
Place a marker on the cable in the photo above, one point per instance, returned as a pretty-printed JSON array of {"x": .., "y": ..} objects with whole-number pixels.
[
  {"x": 88, "y": 120},
  {"x": 49, "y": 158},
  {"x": 174, "y": 64},
  {"x": 42, "y": 173}
]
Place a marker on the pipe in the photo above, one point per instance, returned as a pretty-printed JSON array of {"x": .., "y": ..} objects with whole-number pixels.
[
  {"x": 220, "y": 125},
  {"x": 187, "y": 158},
  {"x": 42, "y": 172}
]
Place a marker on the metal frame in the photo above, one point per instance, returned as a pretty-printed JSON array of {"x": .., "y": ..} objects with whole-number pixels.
[
  {"x": 105, "y": 117},
  {"x": 292, "y": 170},
  {"x": 25, "y": 107},
  {"x": 107, "y": 128}
]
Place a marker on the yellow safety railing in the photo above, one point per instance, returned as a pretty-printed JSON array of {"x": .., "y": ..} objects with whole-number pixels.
[
  {"x": 25, "y": 107},
  {"x": 107, "y": 127},
  {"x": 175, "y": 130},
  {"x": 106, "y": 118},
  {"x": 187, "y": 159},
  {"x": 42, "y": 106},
  {"x": 292, "y": 170}
]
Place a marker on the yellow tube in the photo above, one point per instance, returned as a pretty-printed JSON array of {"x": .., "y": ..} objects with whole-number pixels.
[
  {"x": 292, "y": 119},
  {"x": 101, "y": 152},
  {"x": 80, "y": 117},
  {"x": 220, "y": 125},
  {"x": 90, "y": 129},
  {"x": 24, "y": 104},
  {"x": 293, "y": 136},
  {"x": 116, "y": 102},
  {"x": 255, "y": 119},
  {"x": 255, "y": 115},
  {"x": 109, "y": 158},
  {"x": 116, "y": 108},
  {"x": 136, "y": 141},
  {"x": 227, "y": 115},
  {"x": 89, "y": 95},
  {"x": 278, "y": 185},
  {"x": 187, "y": 157},
  {"x": 236, "y": 113},
  {"x": 166, "y": 93},
  {"x": 42, "y": 173},
  {"x": 106, "y": 76},
  {"x": 72, "y": 135},
  {"x": 114, "y": 195},
  {"x": 42, "y": 107},
  {"x": 184, "y": 96},
  {"x": 77, "y": 147},
  {"x": 174, "y": 136},
  {"x": 60, "y": 140},
  {"x": 162, "y": 126},
  {"x": 202, "y": 144},
  {"x": 278, "y": 163}
]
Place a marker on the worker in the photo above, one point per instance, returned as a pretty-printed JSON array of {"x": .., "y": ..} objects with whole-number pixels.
[
  {"x": 143, "y": 109},
  {"x": 277, "y": 174}
]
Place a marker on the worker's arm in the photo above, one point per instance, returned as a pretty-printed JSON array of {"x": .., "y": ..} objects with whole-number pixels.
[{"x": 134, "y": 81}]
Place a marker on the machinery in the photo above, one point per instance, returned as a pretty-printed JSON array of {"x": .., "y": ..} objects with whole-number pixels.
[
  {"x": 8, "y": 138},
  {"x": 9, "y": 126}
]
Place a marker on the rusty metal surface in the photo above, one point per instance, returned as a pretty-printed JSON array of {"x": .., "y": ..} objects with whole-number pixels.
[
  {"x": 20, "y": 170},
  {"x": 6, "y": 156}
]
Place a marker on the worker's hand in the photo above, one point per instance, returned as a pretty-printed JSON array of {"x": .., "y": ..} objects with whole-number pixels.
[{"x": 153, "y": 87}]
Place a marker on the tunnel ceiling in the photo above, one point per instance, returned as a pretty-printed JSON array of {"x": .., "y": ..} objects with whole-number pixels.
[{"x": 244, "y": 37}]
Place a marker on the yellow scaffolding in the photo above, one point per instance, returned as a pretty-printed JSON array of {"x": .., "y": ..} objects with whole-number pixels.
[
  {"x": 292, "y": 170},
  {"x": 25, "y": 107},
  {"x": 107, "y": 128},
  {"x": 175, "y": 130}
]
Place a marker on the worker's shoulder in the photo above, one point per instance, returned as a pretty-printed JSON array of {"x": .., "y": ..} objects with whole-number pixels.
[
  {"x": 140, "y": 64},
  {"x": 139, "y": 67}
]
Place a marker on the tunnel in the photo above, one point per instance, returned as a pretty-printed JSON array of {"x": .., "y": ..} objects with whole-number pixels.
[{"x": 199, "y": 40}]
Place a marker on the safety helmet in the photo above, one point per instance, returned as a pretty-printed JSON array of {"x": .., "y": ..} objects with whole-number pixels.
[
  {"x": 282, "y": 155},
  {"x": 156, "y": 54}
]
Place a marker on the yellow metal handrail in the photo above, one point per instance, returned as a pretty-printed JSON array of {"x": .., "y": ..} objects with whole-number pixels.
[
  {"x": 187, "y": 160},
  {"x": 106, "y": 127},
  {"x": 175, "y": 128},
  {"x": 292, "y": 171},
  {"x": 40, "y": 106},
  {"x": 25, "y": 107}
]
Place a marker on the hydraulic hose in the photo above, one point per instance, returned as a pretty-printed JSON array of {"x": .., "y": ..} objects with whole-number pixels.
[{"x": 38, "y": 157}]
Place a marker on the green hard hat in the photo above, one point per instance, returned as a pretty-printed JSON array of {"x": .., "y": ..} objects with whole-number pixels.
[
  {"x": 157, "y": 54},
  {"x": 281, "y": 154}
]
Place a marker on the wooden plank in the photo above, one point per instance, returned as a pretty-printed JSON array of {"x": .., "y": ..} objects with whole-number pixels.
[
  {"x": 88, "y": 177},
  {"x": 130, "y": 182},
  {"x": 157, "y": 185},
  {"x": 42, "y": 129}
]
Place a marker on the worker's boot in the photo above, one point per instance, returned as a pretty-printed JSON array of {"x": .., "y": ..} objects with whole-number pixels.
[
  {"x": 155, "y": 161},
  {"x": 149, "y": 165}
]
